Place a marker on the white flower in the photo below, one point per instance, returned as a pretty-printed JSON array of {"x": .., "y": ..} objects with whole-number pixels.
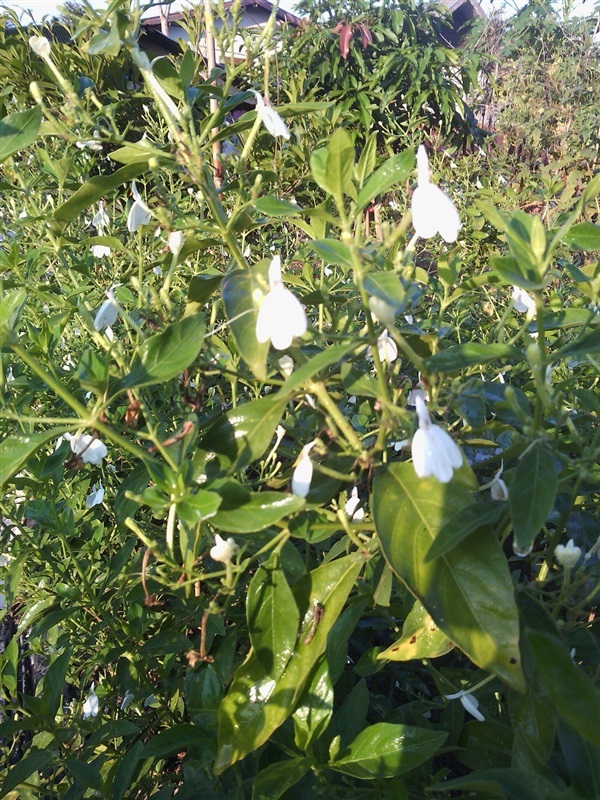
[
  {"x": 175, "y": 242},
  {"x": 432, "y": 210},
  {"x": 157, "y": 271},
  {"x": 498, "y": 488},
  {"x": 40, "y": 46},
  {"x": 223, "y": 550},
  {"x": 91, "y": 705},
  {"x": 96, "y": 496},
  {"x": 382, "y": 311},
  {"x": 286, "y": 365},
  {"x": 302, "y": 477},
  {"x": 386, "y": 348},
  {"x": 139, "y": 213},
  {"x": 99, "y": 251},
  {"x": 434, "y": 452},
  {"x": 352, "y": 504},
  {"x": 88, "y": 144},
  {"x": 281, "y": 315},
  {"x": 127, "y": 700},
  {"x": 411, "y": 399},
  {"x": 270, "y": 118},
  {"x": 107, "y": 313},
  {"x": 470, "y": 704},
  {"x": 100, "y": 219},
  {"x": 91, "y": 450},
  {"x": 523, "y": 301},
  {"x": 399, "y": 445},
  {"x": 567, "y": 556}
]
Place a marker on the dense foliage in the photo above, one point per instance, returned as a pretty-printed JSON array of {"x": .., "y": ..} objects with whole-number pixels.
[{"x": 363, "y": 564}]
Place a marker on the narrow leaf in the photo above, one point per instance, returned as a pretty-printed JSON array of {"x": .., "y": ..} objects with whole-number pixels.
[{"x": 531, "y": 496}]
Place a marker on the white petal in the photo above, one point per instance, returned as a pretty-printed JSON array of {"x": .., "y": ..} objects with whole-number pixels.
[
  {"x": 99, "y": 251},
  {"x": 434, "y": 212},
  {"x": 280, "y": 318},
  {"x": 422, "y": 166},
  {"x": 40, "y": 46},
  {"x": 424, "y": 224},
  {"x": 471, "y": 705},
  {"x": 267, "y": 317},
  {"x": 96, "y": 496},
  {"x": 386, "y": 348},
  {"x": 522, "y": 300},
  {"x": 352, "y": 502},
  {"x": 139, "y": 215},
  {"x": 175, "y": 242},
  {"x": 274, "y": 124},
  {"x": 421, "y": 454},
  {"x": 107, "y": 314},
  {"x": 275, "y": 272},
  {"x": 302, "y": 477}
]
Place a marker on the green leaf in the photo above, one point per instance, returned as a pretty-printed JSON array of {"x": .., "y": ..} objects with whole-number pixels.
[
  {"x": 276, "y": 779},
  {"x": 507, "y": 784},
  {"x": 333, "y": 251},
  {"x": 462, "y": 356},
  {"x": 273, "y": 617},
  {"x": 126, "y": 768},
  {"x": 315, "y": 708},
  {"x": 54, "y": 683},
  {"x": 384, "y": 750},
  {"x": 588, "y": 343},
  {"x": 238, "y": 290},
  {"x": 395, "y": 170},
  {"x": 274, "y": 207},
  {"x": 421, "y": 638},
  {"x": 33, "y": 761},
  {"x": 244, "y": 433},
  {"x": 175, "y": 739},
  {"x": 507, "y": 268},
  {"x": 95, "y": 189},
  {"x": 256, "y": 704},
  {"x": 466, "y": 522},
  {"x": 567, "y": 686},
  {"x": 15, "y": 451},
  {"x": 326, "y": 358},
  {"x": 10, "y": 310},
  {"x": 583, "y": 236},
  {"x": 18, "y": 131},
  {"x": 333, "y": 167},
  {"x": 202, "y": 287},
  {"x": 165, "y": 355},
  {"x": 87, "y": 775},
  {"x": 197, "y": 507},
  {"x": 257, "y": 511},
  {"x": 366, "y": 162},
  {"x": 390, "y": 288},
  {"x": 531, "y": 496},
  {"x": 583, "y": 760},
  {"x": 468, "y": 591}
]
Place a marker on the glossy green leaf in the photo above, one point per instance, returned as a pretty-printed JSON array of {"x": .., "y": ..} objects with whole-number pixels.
[
  {"x": 274, "y": 207},
  {"x": 462, "y": 356},
  {"x": 394, "y": 170},
  {"x": 466, "y": 522},
  {"x": 244, "y": 433},
  {"x": 165, "y": 355},
  {"x": 273, "y": 617},
  {"x": 366, "y": 161},
  {"x": 199, "y": 506},
  {"x": 238, "y": 290},
  {"x": 32, "y": 761},
  {"x": 583, "y": 236},
  {"x": 384, "y": 750},
  {"x": 531, "y": 495},
  {"x": 256, "y": 704},
  {"x": 568, "y": 688},
  {"x": 19, "y": 130},
  {"x": 315, "y": 707},
  {"x": 468, "y": 591},
  {"x": 333, "y": 251},
  {"x": 258, "y": 511},
  {"x": 276, "y": 779},
  {"x": 15, "y": 451},
  {"x": 202, "y": 287},
  {"x": 179, "y": 737},
  {"x": 315, "y": 365},
  {"x": 95, "y": 189},
  {"x": 421, "y": 638}
]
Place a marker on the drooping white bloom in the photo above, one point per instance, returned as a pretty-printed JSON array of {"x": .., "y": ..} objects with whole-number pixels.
[
  {"x": 91, "y": 450},
  {"x": 157, "y": 271},
  {"x": 302, "y": 477},
  {"x": 127, "y": 700},
  {"x": 107, "y": 313},
  {"x": 523, "y": 301},
  {"x": 99, "y": 251},
  {"x": 470, "y": 704},
  {"x": 386, "y": 348},
  {"x": 96, "y": 496},
  {"x": 224, "y": 549},
  {"x": 281, "y": 315},
  {"x": 175, "y": 242},
  {"x": 40, "y": 46},
  {"x": 434, "y": 452},
  {"x": 139, "y": 213},
  {"x": 270, "y": 118},
  {"x": 352, "y": 506},
  {"x": 100, "y": 220},
  {"x": 432, "y": 210},
  {"x": 91, "y": 705},
  {"x": 567, "y": 555},
  {"x": 411, "y": 398},
  {"x": 498, "y": 488},
  {"x": 88, "y": 144},
  {"x": 286, "y": 365}
]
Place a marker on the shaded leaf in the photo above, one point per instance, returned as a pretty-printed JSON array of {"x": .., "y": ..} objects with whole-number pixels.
[
  {"x": 531, "y": 496},
  {"x": 19, "y": 130}
]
